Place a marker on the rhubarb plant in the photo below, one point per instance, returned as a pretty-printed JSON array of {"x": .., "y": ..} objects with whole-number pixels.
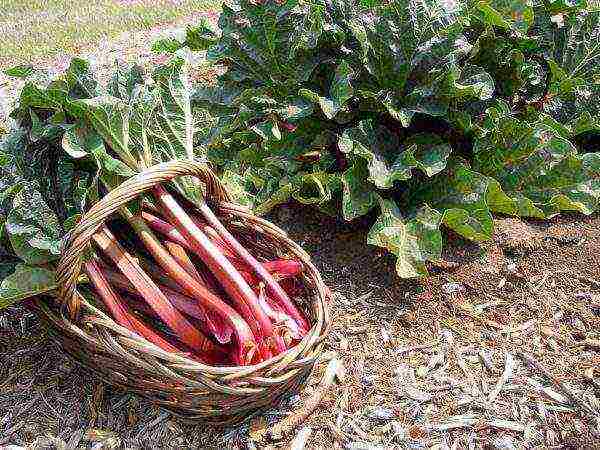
[{"x": 427, "y": 114}]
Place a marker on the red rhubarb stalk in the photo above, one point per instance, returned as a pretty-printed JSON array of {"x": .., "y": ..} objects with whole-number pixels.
[
  {"x": 151, "y": 293},
  {"x": 273, "y": 288},
  {"x": 166, "y": 229},
  {"x": 229, "y": 278},
  {"x": 285, "y": 324},
  {"x": 280, "y": 268},
  {"x": 122, "y": 314},
  {"x": 247, "y": 343},
  {"x": 213, "y": 323},
  {"x": 178, "y": 252}
]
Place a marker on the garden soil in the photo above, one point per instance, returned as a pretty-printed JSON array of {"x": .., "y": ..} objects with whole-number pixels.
[{"x": 498, "y": 348}]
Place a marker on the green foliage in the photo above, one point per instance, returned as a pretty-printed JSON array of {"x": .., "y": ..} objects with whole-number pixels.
[
  {"x": 433, "y": 112},
  {"x": 73, "y": 138},
  {"x": 428, "y": 113}
]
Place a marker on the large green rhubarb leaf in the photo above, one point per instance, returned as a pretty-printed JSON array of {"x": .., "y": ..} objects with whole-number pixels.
[
  {"x": 358, "y": 196},
  {"x": 573, "y": 48},
  {"x": 25, "y": 282},
  {"x": 340, "y": 92},
  {"x": 255, "y": 36},
  {"x": 33, "y": 228},
  {"x": 462, "y": 196},
  {"x": 412, "y": 241},
  {"x": 387, "y": 159},
  {"x": 538, "y": 168},
  {"x": 514, "y": 15}
]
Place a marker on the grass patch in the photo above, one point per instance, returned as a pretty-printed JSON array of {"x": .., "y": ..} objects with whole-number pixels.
[{"x": 39, "y": 29}]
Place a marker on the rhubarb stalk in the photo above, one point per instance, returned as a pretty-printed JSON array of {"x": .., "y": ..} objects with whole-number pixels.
[
  {"x": 195, "y": 289},
  {"x": 151, "y": 293},
  {"x": 273, "y": 288},
  {"x": 227, "y": 275}
]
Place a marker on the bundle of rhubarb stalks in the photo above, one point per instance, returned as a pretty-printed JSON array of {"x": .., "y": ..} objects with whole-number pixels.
[{"x": 187, "y": 285}]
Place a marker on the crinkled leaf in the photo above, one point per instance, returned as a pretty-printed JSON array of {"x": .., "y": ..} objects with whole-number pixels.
[
  {"x": 387, "y": 159},
  {"x": 201, "y": 36},
  {"x": 25, "y": 282},
  {"x": 574, "y": 63},
  {"x": 515, "y": 15},
  {"x": 80, "y": 79},
  {"x": 308, "y": 188},
  {"x": 502, "y": 60},
  {"x": 109, "y": 117},
  {"x": 358, "y": 196},
  {"x": 79, "y": 141},
  {"x": 414, "y": 241},
  {"x": 33, "y": 96},
  {"x": 461, "y": 195},
  {"x": 33, "y": 228},
  {"x": 340, "y": 92},
  {"x": 125, "y": 80},
  {"x": 539, "y": 169},
  {"x": 175, "y": 135},
  {"x": 256, "y": 36}
]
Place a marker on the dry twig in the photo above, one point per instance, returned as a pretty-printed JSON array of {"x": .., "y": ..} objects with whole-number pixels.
[
  {"x": 334, "y": 370},
  {"x": 532, "y": 362},
  {"x": 299, "y": 442}
]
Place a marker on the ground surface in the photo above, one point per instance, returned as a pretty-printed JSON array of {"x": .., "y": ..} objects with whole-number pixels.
[
  {"x": 428, "y": 363},
  {"x": 433, "y": 363}
]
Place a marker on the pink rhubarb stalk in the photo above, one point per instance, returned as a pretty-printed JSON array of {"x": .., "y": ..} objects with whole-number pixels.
[
  {"x": 151, "y": 293},
  {"x": 273, "y": 288},
  {"x": 214, "y": 324},
  {"x": 229, "y": 278},
  {"x": 193, "y": 288},
  {"x": 121, "y": 313}
]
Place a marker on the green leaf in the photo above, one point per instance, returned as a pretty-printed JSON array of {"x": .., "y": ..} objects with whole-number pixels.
[
  {"x": 386, "y": 161},
  {"x": 428, "y": 152},
  {"x": 201, "y": 36},
  {"x": 267, "y": 41},
  {"x": 33, "y": 228},
  {"x": 502, "y": 60},
  {"x": 515, "y": 15},
  {"x": 53, "y": 97},
  {"x": 109, "y": 117},
  {"x": 341, "y": 91},
  {"x": 174, "y": 118},
  {"x": 125, "y": 80},
  {"x": 81, "y": 80},
  {"x": 25, "y": 282},
  {"x": 79, "y": 141},
  {"x": 413, "y": 241},
  {"x": 235, "y": 183},
  {"x": 21, "y": 71},
  {"x": 574, "y": 61},
  {"x": 537, "y": 168},
  {"x": 461, "y": 195},
  {"x": 358, "y": 198},
  {"x": 390, "y": 161},
  {"x": 167, "y": 45}
]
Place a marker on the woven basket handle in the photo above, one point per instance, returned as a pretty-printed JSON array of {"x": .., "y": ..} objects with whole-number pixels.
[{"x": 78, "y": 240}]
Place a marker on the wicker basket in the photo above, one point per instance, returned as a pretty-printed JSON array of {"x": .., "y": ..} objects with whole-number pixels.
[{"x": 189, "y": 389}]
